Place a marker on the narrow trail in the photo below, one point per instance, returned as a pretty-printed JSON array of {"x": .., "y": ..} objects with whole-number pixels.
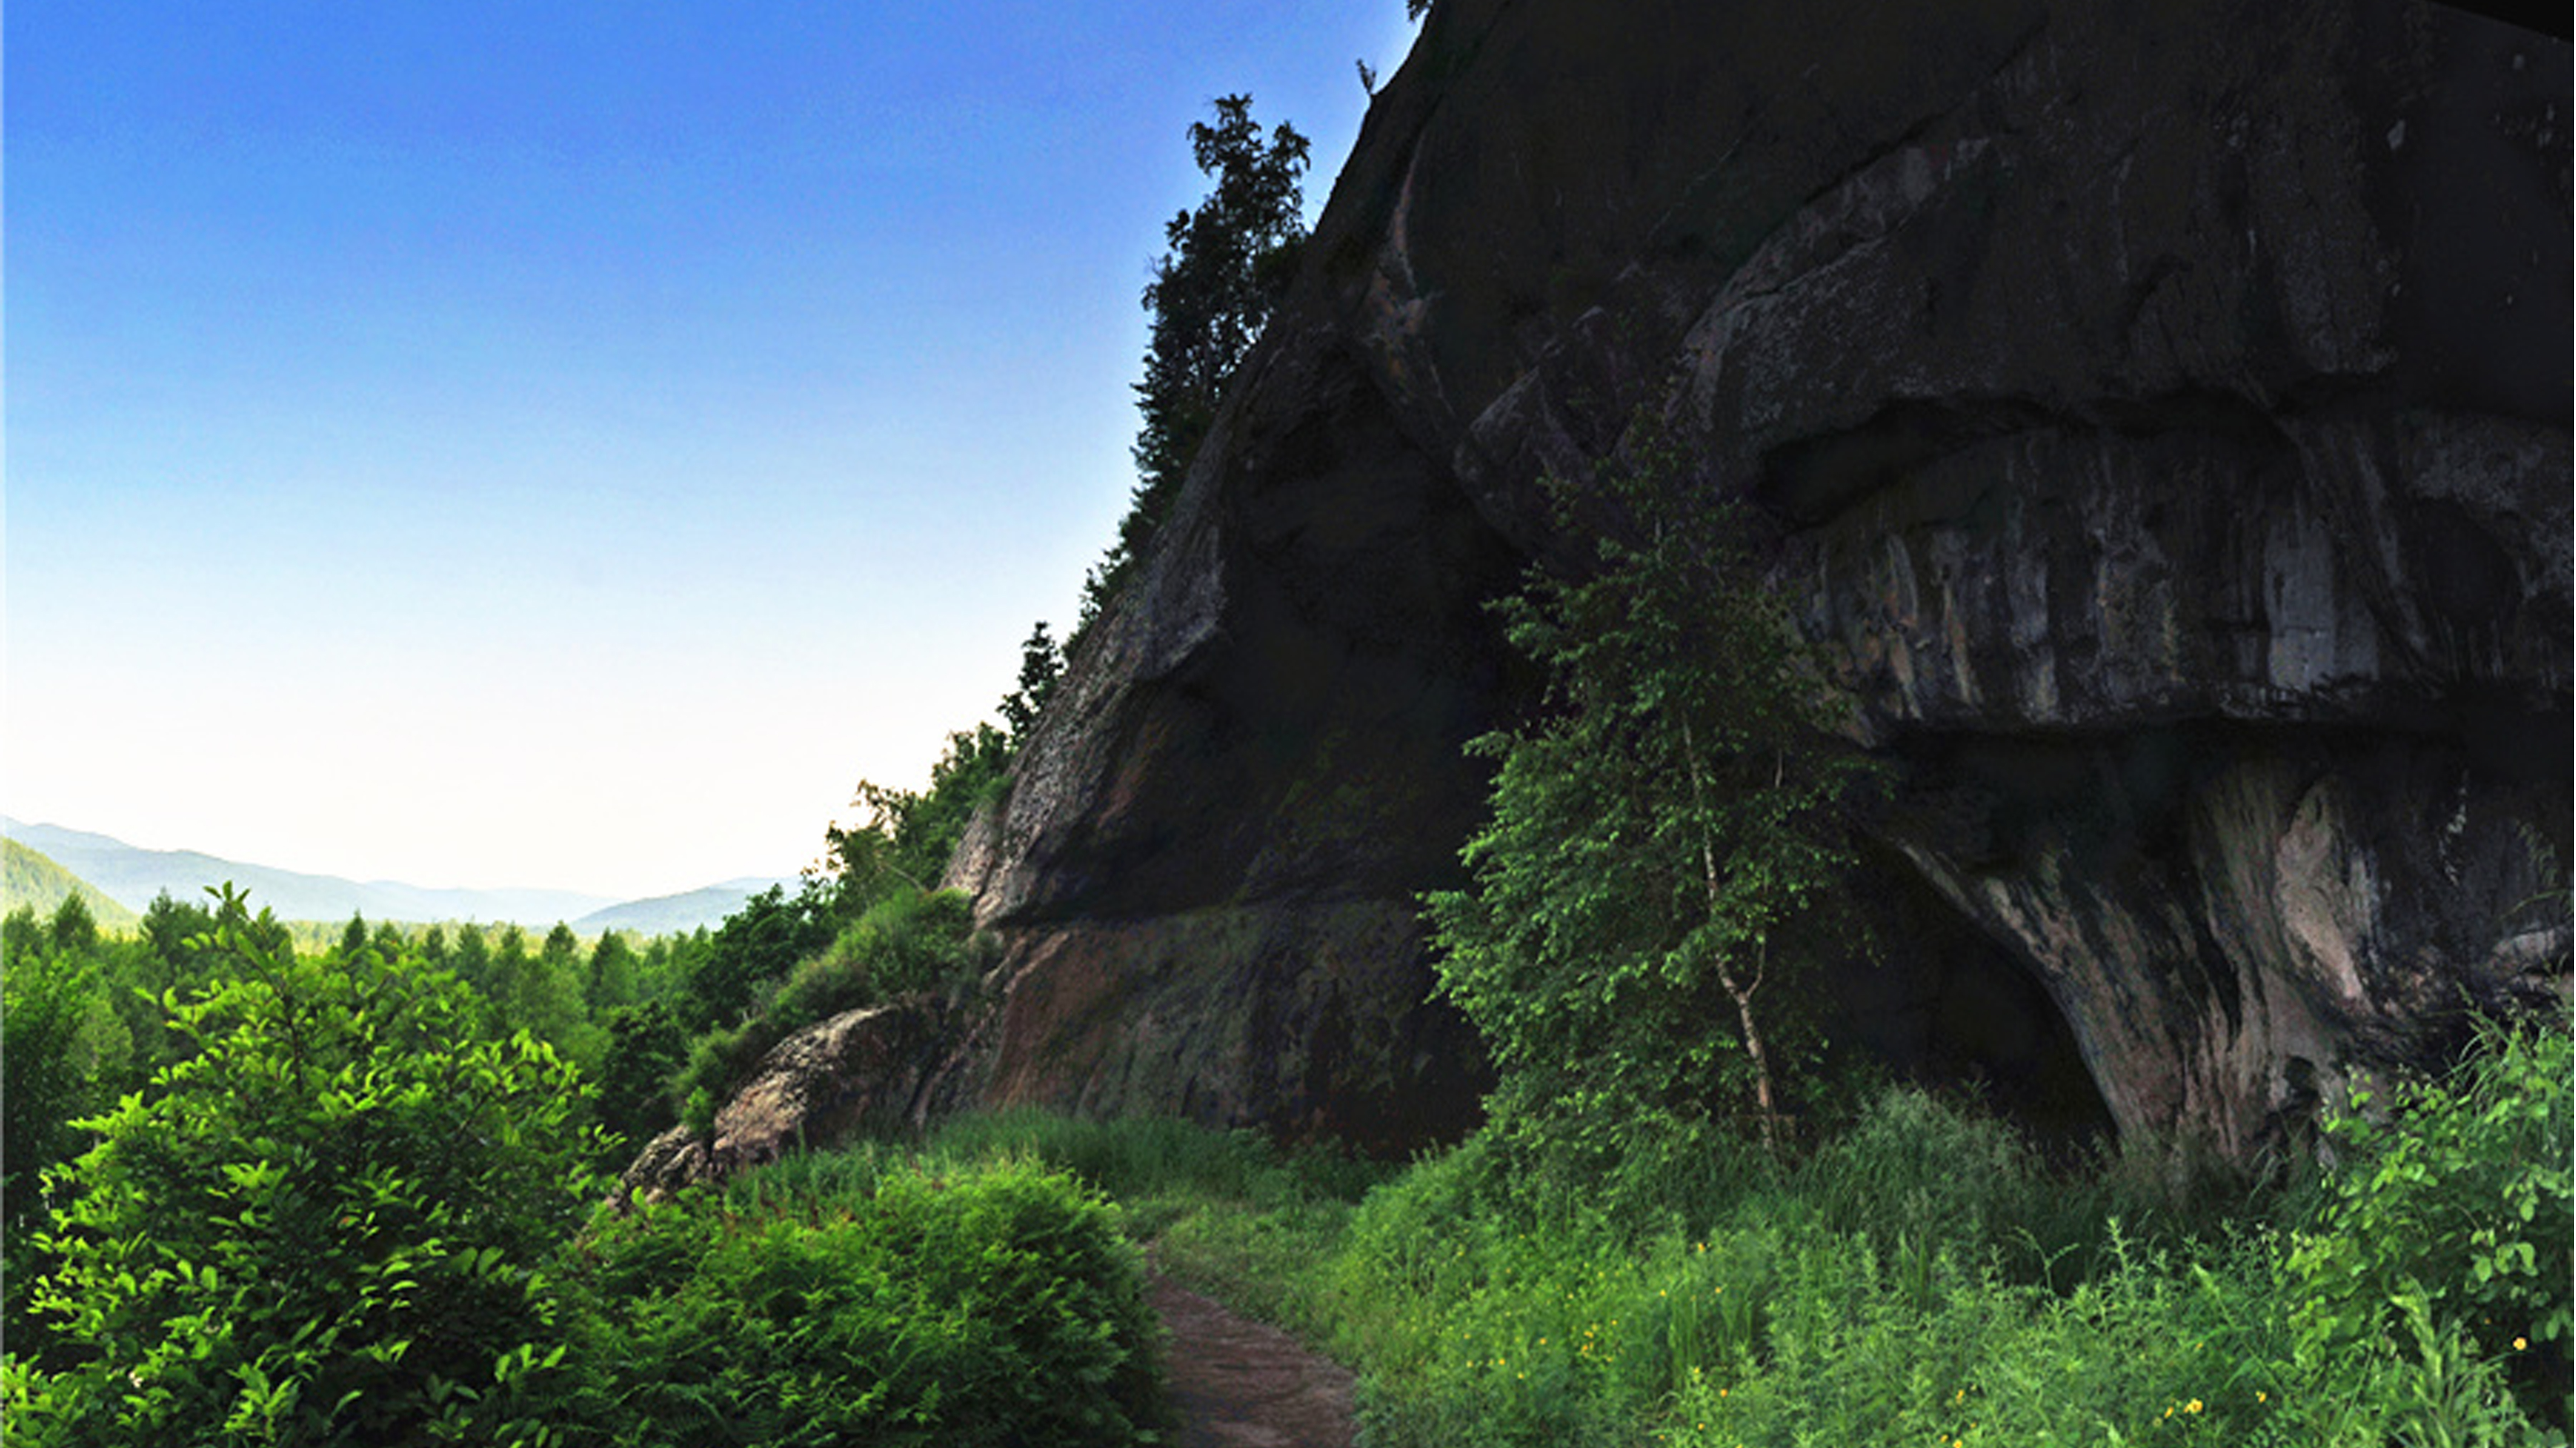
[{"x": 1236, "y": 1383}]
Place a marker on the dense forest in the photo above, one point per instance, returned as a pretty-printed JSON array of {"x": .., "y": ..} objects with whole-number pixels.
[{"x": 350, "y": 1187}]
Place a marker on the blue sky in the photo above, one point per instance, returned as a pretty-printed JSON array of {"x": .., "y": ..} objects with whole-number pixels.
[{"x": 571, "y": 445}]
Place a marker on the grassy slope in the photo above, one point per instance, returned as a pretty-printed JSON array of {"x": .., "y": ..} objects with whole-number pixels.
[{"x": 33, "y": 878}]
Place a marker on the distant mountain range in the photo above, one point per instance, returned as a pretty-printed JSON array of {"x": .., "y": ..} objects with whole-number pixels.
[{"x": 132, "y": 876}]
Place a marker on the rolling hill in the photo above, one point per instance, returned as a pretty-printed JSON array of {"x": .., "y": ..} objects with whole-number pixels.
[
  {"x": 129, "y": 876},
  {"x": 37, "y": 880}
]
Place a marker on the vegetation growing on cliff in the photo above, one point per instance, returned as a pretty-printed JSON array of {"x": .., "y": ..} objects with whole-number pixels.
[{"x": 1211, "y": 295}]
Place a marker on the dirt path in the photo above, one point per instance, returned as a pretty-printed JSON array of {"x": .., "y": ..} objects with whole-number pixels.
[{"x": 1242, "y": 1384}]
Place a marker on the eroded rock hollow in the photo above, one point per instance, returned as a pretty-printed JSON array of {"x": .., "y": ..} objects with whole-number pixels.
[{"x": 2164, "y": 415}]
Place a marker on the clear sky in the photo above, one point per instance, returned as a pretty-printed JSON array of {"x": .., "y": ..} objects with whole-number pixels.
[{"x": 570, "y": 445}]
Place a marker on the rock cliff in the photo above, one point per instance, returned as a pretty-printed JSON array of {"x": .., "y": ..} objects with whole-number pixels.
[{"x": 2163, "y": 412}]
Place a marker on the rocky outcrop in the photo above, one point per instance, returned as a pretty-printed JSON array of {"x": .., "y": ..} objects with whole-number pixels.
[
  {"x": 2163, "y": 413},
  {"x": 863, "y": 1072}
]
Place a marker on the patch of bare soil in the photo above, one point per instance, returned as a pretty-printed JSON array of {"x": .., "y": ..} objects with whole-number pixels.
[{"x": 1236, "y": 1383}]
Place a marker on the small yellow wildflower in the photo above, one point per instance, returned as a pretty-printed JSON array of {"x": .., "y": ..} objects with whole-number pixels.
[
  {"x": 2193, "y": 1406},
  {"x": 2520, "y": 1343}
]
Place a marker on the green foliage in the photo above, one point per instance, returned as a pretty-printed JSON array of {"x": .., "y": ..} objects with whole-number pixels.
[
  {"x": 328, "y": 1225},
  {"x": 1041, "y": 665},
  {"x": 647, "y": 1045},
  {"x": 1922, "y": 1277},
  {"x": 756, "y": 946},
  {"x": 1212, "y": 293},
  {"x": 614, "y": 976},
  {"x": 2452, "y": 1215},
  {"x": 59, "y": 1037},
  {"x": 1655, "y": 833},
  {"x": 904, "y": 944},
  {"x": 992, "y": 1303},
  {"x": 906, "y": 841},
  {"x": 1143, "y": 1159}
]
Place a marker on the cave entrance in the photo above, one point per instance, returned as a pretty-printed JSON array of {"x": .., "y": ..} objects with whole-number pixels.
[{"x": 1931, "y": 999}]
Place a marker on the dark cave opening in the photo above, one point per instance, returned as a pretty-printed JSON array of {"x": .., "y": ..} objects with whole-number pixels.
[{"x": 1926, "y": 997}]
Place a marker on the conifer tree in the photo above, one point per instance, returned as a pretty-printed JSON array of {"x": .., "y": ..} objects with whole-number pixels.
[{"x": 1210, "y": 296}]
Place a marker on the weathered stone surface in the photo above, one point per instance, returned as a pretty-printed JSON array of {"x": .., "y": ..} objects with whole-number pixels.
[
  {"x": 866, "y": 1071},
  {"x": 2163, "y": 412}
]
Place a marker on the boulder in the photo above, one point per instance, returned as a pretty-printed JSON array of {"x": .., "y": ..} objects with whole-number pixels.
[{"x": 862, "y": 1072}]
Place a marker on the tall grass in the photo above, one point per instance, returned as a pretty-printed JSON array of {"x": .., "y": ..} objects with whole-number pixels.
[
  {"x": 1926, "y": 1279},
  {"x": 1923, "y": 1278}
]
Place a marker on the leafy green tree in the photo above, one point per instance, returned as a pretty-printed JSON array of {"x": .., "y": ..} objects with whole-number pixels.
[
  {"x": 756, "y": 946},
  {"x": 647, "y": 1046},
  {"x": 546, "y": 998},
  {"x": 562, "y": 948},
  {"x": 1211, "y": 295},
  {"x": 473, "y": 959},
  {"x": 1655, "y": 830},
  {"x": 329, "y": 1226},
  {"x": 170, "y": 929},
  {"x": 60, "y": 1039},
  {"x": 614, "y": 971},
  {"x": 73, "y": 928},
  {"x": 353, "y": 936}
]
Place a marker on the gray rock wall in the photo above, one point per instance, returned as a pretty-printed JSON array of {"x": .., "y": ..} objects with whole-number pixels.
[{"x": 2164, "y": 415}]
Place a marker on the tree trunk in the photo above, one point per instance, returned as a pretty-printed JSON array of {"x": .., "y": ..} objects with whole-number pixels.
[{"x": 1765, "y": 1100}]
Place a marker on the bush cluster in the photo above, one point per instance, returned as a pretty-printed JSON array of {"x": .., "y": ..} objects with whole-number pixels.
[
  {"x": 331, "y": 1224},
  {"x": 349, "y": 1212},
  {"x": 992, "y": 1303}
]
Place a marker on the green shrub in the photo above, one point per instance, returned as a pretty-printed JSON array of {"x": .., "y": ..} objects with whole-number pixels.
[
  {"x": 646, "y": 1046},
  {"x": 1130, "y": 1159},
  {"x": 905, "y": 944},
  {"x": 993, "y": 1304},
  {"x": 2457, "y": 1200},
  {"x": 331, "y": 1225},
  {"x": 58, "y": 1034}
]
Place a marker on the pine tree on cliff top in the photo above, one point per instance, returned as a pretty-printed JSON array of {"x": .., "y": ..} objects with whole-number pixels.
[{"x": 1210, "y": 296}]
